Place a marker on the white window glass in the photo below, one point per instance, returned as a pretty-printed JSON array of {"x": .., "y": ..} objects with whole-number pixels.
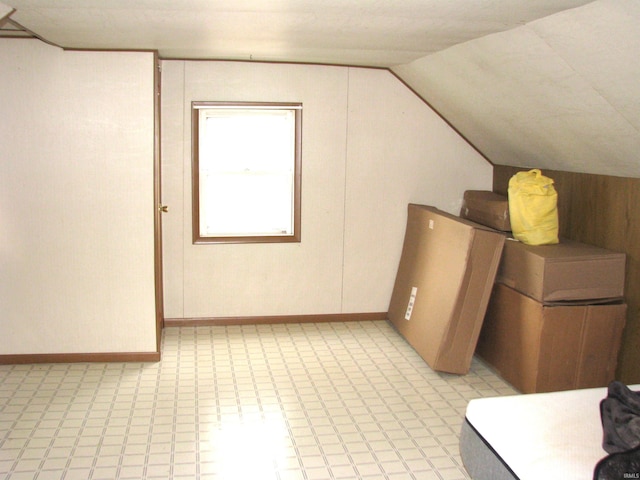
[{"x": 247, "y": 182}]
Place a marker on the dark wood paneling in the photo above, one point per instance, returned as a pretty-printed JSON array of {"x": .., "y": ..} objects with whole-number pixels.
[{"x": 603, "y": 211}]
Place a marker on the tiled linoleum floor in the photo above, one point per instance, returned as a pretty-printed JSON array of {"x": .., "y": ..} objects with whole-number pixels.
[{"x": 311, "y": 401}]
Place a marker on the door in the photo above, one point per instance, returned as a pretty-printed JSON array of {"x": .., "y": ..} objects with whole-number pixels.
[{"x": 159, "y": 210}]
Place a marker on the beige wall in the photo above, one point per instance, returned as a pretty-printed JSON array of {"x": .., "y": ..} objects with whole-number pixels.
[
  {"x": 76, "y": 200},
  {"x": 370, "y": 146}
]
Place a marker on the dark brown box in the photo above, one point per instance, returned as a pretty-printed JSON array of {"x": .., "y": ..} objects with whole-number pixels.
[{"x": 486, "y": 208}]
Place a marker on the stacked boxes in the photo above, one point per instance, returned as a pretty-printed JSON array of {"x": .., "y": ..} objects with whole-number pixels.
[{"x": 556, "y": 315}]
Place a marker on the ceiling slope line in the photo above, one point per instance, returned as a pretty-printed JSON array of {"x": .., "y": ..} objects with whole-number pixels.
[
  {"x": 5, "y": 18},
  {"x": 30, "y": 33},
  {"x": 442, "y": 117}
]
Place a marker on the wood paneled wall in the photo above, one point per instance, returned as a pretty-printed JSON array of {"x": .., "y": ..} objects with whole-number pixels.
[{"x": 603, "y": 211}]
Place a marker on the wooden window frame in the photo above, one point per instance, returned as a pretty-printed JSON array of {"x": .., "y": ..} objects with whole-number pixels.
[{"x": 295, "y": 236}]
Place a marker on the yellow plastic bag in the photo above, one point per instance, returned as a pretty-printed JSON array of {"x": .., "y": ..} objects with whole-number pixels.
[{"x": 533, "y": 208}]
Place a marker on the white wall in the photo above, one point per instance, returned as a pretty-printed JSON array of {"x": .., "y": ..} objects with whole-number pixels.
[
  {"x": 370, "y": 147},
  {"x": 76, "y": 200}
]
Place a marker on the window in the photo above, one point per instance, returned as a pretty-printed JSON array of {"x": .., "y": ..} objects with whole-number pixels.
[{"x": 246, "y": 172}]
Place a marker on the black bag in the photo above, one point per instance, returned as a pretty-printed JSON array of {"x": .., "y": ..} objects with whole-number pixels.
[
  {"x": 620, "y": 415},
  {"x": 619, "y": 466}
]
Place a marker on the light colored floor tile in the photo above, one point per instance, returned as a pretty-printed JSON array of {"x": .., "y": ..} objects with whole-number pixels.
[{"x": 309, "y": 401}]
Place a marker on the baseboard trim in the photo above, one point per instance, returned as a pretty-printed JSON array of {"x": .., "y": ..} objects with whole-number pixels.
[
  {"x": 274, "y": 319},
  {"x": 145, "y": 357},
  {"x": 107, "y": 357}
]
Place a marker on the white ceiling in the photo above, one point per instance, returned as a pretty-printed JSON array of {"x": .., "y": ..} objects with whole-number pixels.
[
  {"x": 352, "y": 32},
  {"x": 545, "y": 83},
  {"x": 562, "y": 92}
]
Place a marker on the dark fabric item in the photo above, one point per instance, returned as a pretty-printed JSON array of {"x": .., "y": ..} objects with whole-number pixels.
[
  {"x": 619, "y": 466},
  {"x": 620, "y": 415}
]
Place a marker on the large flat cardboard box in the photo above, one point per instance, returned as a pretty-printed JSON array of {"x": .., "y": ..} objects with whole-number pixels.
[
  {"x": 486, "y": 208},
  {"x": 546, "y": 348},
  {"x": 567, "y": 271},
  {"x": 442, "y": 288}
]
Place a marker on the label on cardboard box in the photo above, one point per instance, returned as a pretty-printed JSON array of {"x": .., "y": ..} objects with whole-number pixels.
[{"x": 412, "y": 301}]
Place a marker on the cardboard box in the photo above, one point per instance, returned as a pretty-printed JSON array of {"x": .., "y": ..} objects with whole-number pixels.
[
  {"x": 443, "y": 285},
  {"x": 545, "y": 348},
  {"x": 486, "y": 208},
  {"x": 567, "y": 271}
]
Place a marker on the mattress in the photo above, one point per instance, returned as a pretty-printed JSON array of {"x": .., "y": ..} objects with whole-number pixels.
[{"x": 555, "y": 436}]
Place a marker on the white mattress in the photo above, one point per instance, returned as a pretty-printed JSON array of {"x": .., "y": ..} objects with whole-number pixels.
[{"x": 555, "y": 436}]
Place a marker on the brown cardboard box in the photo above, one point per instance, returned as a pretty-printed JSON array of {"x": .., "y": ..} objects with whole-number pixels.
[
  {"x": 545, "y": 348},
  {"x": 563, "y": 272},
  {"x": 486, "y": 208},
  {"x": 443, "y": 285}
]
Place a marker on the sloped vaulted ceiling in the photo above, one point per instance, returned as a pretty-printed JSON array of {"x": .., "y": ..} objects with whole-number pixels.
[
  {"x": 562, "y": 92},
  {"x": 553, "y": 84}
]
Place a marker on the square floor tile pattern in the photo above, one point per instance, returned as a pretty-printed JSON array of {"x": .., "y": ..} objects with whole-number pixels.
[{"x": 284, "y": 402}]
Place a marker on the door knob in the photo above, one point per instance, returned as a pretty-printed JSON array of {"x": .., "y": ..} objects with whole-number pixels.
[{"x": 163, "y": 208}]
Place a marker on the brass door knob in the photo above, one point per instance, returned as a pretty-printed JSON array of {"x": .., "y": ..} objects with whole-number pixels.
[{"x": 163, "y": 208}]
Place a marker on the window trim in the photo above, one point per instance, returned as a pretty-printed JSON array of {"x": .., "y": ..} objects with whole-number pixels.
[{"x": 294, "y": 237}]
